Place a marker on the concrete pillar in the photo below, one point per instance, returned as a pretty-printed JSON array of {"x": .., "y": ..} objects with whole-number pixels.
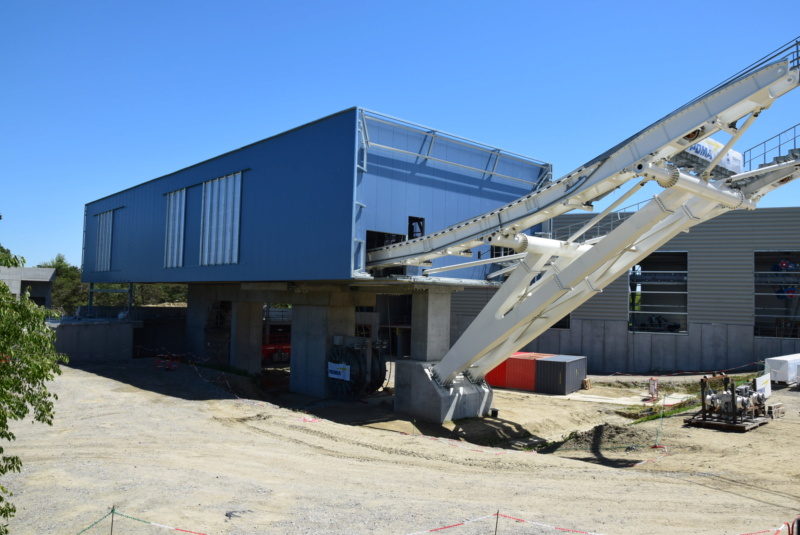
[
  {"x": 246, "y": 336},
  {"x": 196, "y": 317},
  {"x": 430, "y": 325},
  {"x": 313, "y": 329}
]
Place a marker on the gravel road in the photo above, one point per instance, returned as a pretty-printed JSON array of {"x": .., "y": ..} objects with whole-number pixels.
[{"x": 174, "y": 449}]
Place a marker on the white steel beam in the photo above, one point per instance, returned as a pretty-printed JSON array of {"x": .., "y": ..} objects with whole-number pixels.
[{"x": 747, "y": 95}]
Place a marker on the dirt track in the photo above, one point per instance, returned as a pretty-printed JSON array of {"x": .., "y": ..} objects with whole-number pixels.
[{"x": 170, "y": 448}]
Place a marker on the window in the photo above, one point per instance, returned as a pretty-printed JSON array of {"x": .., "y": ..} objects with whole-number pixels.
[
  {"x": 657, "y": 293},
  {"x": 173, "y": 242},
  {"x": 219, "y": 235},
  {"x": 777, "y": 283},
  {"x": 416, "y": 227},
  {"x": 105, "y": 225},
  {"x": 377, "y": 239}
]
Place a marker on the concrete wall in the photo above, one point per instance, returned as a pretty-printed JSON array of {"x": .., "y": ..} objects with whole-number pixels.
[
  {"x": 38, "y": 280},
  {"x": 88, "y": 342}
]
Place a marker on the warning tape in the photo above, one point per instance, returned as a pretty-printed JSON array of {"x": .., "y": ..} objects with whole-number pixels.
[
  {"x": 464, "y": 523},
  {"x": 500, "y": 515},
  {"x": 666, "y": 453},
  {"x": 775, "y": 531},
  {"x": 114, "y": 512}
]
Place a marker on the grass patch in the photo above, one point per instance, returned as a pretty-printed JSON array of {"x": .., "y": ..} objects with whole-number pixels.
[{"x": 683, "y": 406}]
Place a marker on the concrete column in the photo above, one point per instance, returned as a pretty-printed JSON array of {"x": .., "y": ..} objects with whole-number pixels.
[
  {"x": 196, "y": 318},
  {"x": 313, "y": 329},
  {"x": 246, "y": 336},
  {"x": 430, "y": 325}
]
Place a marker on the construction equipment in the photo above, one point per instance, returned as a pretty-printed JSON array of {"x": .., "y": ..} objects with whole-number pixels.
[
  {"x": 550, "y": 278},
  {"x": 734, "y": 408}
]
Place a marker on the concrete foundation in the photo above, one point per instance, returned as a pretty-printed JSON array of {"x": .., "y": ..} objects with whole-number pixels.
[
  {"x": 85, "y": 342},
  {"x": 419, "y": 396}
]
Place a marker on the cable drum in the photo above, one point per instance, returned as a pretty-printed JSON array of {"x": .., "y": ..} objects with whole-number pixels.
[{"x": 352, "y": 387}]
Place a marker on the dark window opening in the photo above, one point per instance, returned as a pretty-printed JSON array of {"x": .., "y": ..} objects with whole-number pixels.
[
  {"x": 776, "y": 300},
  {"x": 657, "y": 293},
  {"x": 377, "y": 239},
  {"x": 563, "y": 323},
  {"x": 416, "y": 227}
]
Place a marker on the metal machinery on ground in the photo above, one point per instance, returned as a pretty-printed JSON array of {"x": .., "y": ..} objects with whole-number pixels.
[
  {"x": 736, "y": 408},
  {"x": 550, "y": 278}
]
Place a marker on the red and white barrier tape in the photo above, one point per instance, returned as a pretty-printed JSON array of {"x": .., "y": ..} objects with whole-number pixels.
[
  {"x": 776, "y": 531},
  {"x": 539, "y": 524},
  {"x": 464, "y": 523}
]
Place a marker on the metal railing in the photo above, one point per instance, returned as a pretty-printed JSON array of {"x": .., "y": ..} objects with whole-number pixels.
[{"x": 775, "y": 147}]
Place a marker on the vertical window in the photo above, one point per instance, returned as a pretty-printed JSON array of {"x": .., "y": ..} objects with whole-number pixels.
[
  {"x": 657, "y": 298},
  {"x": 777, "y": 294},
  {"x": 219, "y": 235},
  {"x": 105, "y": 225},
  {"x": 173, "y": 241}
]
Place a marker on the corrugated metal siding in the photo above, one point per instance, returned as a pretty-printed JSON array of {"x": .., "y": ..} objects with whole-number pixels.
[
  {"x": 610, "y": 304},
  {"x": 720, "y": 264},
  {"x": 470, "y": 301},
  {"x": 721, "y": 255},
  {"x": 219, "y": 235},
  {"x": 105, "y": 227},
  {"x": 176, "y": 217}
]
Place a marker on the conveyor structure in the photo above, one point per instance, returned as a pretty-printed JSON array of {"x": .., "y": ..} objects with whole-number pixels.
[{"x": 551, "y": 277}]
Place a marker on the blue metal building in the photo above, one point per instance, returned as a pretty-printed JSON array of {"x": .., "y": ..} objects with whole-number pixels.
[
  {"x": 289, "y": 219},
  {"x": 300, "y": 206}
]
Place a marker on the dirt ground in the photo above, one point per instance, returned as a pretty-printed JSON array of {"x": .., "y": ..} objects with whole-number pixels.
[{"x": 172, "y": 450}]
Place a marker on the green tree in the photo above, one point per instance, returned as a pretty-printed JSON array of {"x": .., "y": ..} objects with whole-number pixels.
[
  {"x": 28, "y": 360},
  {"x": 68, "y": 292}
]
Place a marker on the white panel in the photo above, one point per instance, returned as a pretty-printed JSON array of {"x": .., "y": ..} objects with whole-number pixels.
[
  {"x": 105, "y": 224},
  {"x": 219, "y": 241},
  {"x": 173, "y": 243}
]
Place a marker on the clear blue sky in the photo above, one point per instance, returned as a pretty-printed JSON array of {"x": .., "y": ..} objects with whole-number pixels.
[{"x": 100, "y": 96}]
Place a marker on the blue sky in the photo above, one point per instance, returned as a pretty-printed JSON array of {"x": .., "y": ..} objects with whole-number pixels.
[{"x": 100, "y": 96}]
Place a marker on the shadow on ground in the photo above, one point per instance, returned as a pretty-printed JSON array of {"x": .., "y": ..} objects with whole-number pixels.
[{"x": 198, "y": 383}]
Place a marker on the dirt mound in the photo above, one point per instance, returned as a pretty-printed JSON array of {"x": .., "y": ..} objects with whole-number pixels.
[{"x": 605, "y": 436}]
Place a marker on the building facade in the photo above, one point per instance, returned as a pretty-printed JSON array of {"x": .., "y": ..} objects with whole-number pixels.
[
  {"x": 719, "y": 297},
  {"x": 289, "y": 219}
]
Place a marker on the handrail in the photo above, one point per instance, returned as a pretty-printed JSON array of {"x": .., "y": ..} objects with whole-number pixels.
[{"x": 750, "y": 155}]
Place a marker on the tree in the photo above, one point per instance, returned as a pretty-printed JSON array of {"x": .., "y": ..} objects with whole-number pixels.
[
  {"x": 28, "y": 360},
  {"x": 68, "y": 292}
]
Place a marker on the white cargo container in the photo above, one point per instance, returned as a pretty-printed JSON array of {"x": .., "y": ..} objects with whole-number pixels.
[{"x": 783, "y": 369}]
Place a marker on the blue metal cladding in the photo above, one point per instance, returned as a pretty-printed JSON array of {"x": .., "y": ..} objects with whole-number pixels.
[
  {"x": 408, "y": 170},
  {"x": 307, "y": 199},
  {"x": 295, "y": 214}
]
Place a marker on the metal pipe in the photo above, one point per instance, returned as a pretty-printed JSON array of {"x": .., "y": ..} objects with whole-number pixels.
[
  {"x": 535, "y": 244},
  {"x": 673, "y": 178}
]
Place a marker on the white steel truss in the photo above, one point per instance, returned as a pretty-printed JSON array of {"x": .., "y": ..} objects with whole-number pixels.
[{"x": 554, "y": 277}]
